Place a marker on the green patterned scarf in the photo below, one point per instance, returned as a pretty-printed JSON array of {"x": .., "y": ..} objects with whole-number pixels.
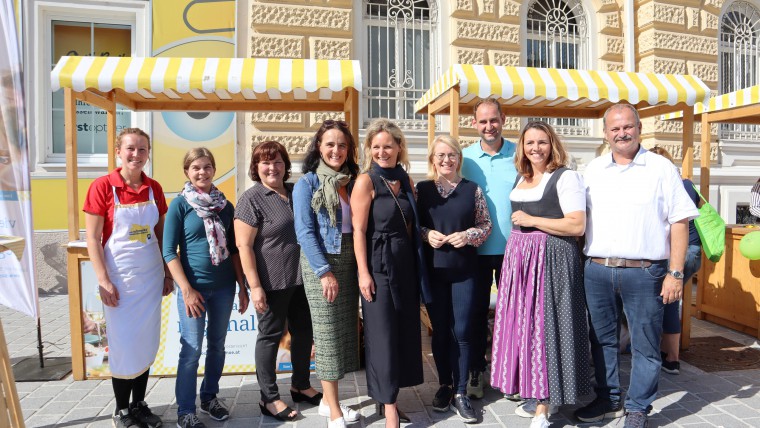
[{"x": 326, "y": 195}]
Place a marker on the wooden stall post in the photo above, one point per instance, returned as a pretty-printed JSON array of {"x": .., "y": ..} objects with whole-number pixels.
[
  {"x": 454, "y": 111},
  {"x": 111, "y": 137},
  {"x": 351, "y": 111},
  {"x": 687, "y": 166},
  {"x": 10, "y": 408},
  {"x": 72, "y": 186}
]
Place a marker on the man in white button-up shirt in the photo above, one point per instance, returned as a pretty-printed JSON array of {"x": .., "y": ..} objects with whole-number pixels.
[{"x": 636, "y": 237}]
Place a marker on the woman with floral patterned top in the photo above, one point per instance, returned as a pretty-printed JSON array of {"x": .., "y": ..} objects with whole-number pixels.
[{"x": 454, "y": 220}]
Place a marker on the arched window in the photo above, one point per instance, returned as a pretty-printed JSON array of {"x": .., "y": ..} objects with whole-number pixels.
[
  {"x": 557, "y": 37},
  {"x": 739, "y": 58},
  {"x": 400, "y": 55}
]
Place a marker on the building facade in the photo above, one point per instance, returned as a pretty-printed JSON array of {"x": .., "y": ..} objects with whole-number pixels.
[{"x": 403, "y": 45}]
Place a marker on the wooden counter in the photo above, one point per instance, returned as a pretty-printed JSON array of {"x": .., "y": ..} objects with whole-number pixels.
[{"x": 729, "y": 291}]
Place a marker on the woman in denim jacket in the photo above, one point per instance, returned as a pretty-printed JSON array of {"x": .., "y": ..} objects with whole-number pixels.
[{"x": 323, "y": 227}]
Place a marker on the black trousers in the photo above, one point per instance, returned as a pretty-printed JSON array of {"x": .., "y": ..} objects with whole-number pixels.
[{"x": 287, "y": 309}]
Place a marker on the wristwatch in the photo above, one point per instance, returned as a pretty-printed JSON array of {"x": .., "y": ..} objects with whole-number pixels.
[{"x": 677, "y": 274}]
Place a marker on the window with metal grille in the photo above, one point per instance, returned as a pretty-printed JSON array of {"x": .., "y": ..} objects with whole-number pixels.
[
  {"x": 399, "y": 58},
  {"x": 557, "y": 37},
  {"x": 738, "y": 57}
]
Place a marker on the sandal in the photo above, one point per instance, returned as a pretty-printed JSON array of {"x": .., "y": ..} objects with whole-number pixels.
[
  {"x": 299, "y": 396},
  {"x": 284, "y": 415}
]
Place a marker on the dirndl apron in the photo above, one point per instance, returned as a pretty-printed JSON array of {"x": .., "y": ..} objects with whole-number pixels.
[{"x": 135, "y": 266}]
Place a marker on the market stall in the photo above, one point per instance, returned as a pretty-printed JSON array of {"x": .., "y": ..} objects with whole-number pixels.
[
  {"x": 727, "y": 291},
  {"x": 547, "y": 92},
  {"x": 186, "y": 84}
]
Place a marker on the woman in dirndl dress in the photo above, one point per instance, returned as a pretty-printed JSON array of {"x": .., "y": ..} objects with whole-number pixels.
[{"x": 540, "y": 337}]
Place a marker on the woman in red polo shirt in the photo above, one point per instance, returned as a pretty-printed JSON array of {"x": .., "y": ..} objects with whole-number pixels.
[{"x": 124, "y": 218}]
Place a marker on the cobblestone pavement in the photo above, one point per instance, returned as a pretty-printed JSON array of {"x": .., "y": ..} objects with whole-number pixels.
[{"x": 692, "y": 399}]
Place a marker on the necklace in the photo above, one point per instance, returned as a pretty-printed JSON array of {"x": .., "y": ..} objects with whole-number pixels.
[{"x": 392, "y": 182}]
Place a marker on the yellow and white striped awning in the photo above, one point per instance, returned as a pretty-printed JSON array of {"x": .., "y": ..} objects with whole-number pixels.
[
  {"x": 563, "y": 93},
  {"x": 145, "y": 83},
  {"x": 742, "y": 98}
]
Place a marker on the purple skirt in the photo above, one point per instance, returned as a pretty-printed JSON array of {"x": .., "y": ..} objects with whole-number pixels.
[{"x": 519, "y": 354}]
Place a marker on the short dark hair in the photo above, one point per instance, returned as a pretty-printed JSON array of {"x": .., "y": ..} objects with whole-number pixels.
[
  {"x": 490, "y": 100},
  {"x": 266, "y": 151},
  {"x": 312, "y": 158}
]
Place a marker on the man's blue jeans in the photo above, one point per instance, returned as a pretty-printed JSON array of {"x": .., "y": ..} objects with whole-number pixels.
[
  {"x": 218, "y": 306},
  {"x": 638, "y": 291}
]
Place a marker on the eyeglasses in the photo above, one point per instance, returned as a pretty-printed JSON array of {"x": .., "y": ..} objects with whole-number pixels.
[{"x": 449, "y": 156}]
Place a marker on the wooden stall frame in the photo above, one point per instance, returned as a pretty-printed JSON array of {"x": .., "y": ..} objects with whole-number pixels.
[
  {"x": 345, "y": 100},
  {"x": 10, "y": 407},
  {"x": 450, "y": 102}
]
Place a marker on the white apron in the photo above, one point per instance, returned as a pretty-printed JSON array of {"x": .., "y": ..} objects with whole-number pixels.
[{"x": 135, "y": 266}]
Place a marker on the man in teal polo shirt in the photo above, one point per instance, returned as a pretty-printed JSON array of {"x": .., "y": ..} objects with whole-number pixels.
[{"x": 490, "y": 164}]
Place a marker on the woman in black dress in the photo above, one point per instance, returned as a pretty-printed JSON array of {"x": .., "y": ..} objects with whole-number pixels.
[{"x": 388, "y": 251}]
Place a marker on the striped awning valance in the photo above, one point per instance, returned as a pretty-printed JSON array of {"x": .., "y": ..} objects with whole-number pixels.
[
  {"x": 565, "y": 90},
  {"x": 212, "y": 79}
]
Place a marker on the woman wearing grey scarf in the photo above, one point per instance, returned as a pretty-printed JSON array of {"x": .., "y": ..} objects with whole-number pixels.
[{"x": 323, "y": 227}]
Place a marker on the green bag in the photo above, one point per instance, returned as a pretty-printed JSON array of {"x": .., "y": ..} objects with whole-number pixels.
[{"x": 711, "y": 229}]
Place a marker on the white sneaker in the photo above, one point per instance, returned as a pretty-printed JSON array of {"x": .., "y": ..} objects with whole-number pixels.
[
  {"x": 527, "y": 409},
  {"x": 539, "y": 421},
  {"x": 338, "y": 423},
  {"x": 349, "y": 414}
]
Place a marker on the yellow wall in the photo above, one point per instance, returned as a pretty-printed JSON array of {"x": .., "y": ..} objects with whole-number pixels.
[{"x": 172, "y": 36}]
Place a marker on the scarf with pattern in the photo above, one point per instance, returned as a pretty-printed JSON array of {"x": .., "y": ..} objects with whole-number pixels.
[{"x": 208, "y": 206}]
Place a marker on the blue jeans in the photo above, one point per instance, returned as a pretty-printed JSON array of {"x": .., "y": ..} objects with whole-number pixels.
[
  {"x": 451, "y": 318},
  {"x": 489, "y": 267},
  {"x": 638, "y": 290},
  {"x": 218, "y": 306},
  {"x": 671, "y": 320}
]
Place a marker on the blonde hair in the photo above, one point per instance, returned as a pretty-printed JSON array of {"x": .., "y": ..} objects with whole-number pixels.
[
  {"x": 196, "y": 153},
  {"x": 378, "y": 126},
  {"x": 127, "y": 131},
  {"x": 662, "y": 152},
  {"x": 557, "y": 157},
  {"x": 449, "y": 141}
]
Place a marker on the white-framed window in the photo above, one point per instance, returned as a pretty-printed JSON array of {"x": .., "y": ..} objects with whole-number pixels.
[
  {"x": 400, "y": 54},
  {"x": 556, "y": 36},
  {"x": 76, "y": 27},
  {"x": 739, "y": 59}
]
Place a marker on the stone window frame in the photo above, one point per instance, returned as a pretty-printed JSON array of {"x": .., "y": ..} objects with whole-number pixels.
[
  {"x": 749, "y": 29},
  {"x": 38, "y": 17},
  {"x": 558, "y": 10},
  {"x": 432, "y": 26}
]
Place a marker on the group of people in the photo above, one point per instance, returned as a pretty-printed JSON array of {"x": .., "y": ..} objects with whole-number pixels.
[{"x": 307, "y": 256}]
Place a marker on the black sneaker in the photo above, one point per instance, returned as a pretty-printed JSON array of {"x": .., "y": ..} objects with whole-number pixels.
[
  {"x": 636, "y": 420},
  {"x": 475, "y": 384},
  {"x": 514, "y": 397},
  {"x": 598, "y": 410},
  {"x": 443, "y": 398},
  {"x": 124, "y": 419},
  {"x": 463, "y": 408},
  {"x": 216, "y": 409},
  {"x": 142, "y": 413},
  {"x": 670, "y": 367},
  {"x": 189, "y": 420}
]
